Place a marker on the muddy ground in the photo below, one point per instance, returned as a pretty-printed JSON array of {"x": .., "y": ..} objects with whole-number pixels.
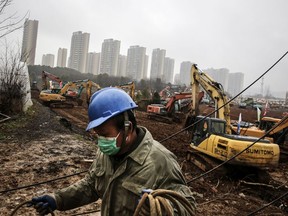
[{"x": 47, "y": 144}]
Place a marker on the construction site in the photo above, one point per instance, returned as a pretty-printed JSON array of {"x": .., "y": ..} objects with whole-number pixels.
[{"x": 48, "y": 149}]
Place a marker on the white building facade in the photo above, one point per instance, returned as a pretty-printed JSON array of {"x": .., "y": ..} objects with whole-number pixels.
[
  {"x": 136, "y": 63},
  {"x": 122, "y": 66},
  {"x": 219, "y": 75},
  {"x": 29, "y": 41},
  {"x": 61, "y": 57},
  {"x": 93, "y": 63},
  {"x": 168, "y": 71},
  {"x": 48, "y": 60},
  {"x": 157, "y": 63},
  {"x": 109, "y": 57},
  {"x": 79, "y": 51},
  {"x": 185, "y": 76},
  {"x": 235, "y": 83}
]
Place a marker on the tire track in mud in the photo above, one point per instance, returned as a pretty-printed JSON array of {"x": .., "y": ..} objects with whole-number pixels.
[{"x": 77, "y": 116}]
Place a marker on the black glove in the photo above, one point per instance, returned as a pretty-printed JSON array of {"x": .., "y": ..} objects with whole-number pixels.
[{"x": 44, "y": 204}]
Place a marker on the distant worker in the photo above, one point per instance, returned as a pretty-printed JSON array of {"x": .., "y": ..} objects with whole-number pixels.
[
  {"x": 127, "y": 162},
  {"x": 51, "y": 85}
]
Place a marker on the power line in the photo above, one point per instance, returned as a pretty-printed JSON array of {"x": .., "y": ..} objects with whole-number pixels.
[{"x": 44, "y": 182}]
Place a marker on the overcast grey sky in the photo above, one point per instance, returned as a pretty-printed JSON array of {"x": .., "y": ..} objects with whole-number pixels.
[{"x": 242, "y": 35}]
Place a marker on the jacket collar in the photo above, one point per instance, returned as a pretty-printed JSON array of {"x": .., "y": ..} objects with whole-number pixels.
[{"x": 140, "y": 154}]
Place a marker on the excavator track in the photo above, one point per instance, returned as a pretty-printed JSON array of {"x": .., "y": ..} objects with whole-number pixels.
[
  {"x": 61, "y": 105},
  {"x": 160, "y": 118},
  {"x": 204, "y": 162}
]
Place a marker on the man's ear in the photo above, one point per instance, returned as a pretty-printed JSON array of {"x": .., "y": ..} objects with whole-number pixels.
[{"x": 130, "y": 126}]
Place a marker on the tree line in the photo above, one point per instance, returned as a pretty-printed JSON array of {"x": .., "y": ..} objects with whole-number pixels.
[{"x": 104, "y": 80}]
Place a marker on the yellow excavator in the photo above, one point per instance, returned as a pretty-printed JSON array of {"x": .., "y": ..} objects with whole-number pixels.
[
  {"x": 70, "y": 93},
  {"x": 278, "y": 135},
  {"x": 211, "y": 137},
  {"x": 130, "y": 86}
]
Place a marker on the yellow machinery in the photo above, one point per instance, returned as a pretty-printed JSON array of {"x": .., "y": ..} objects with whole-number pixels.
[
  {"x": 130, "y": 86},
  {"x": 212, "y": 136},
  {"x": 70, "y": 92},
  {"x": 265, "y": 124},
  {"x": 278, "y": 135}
]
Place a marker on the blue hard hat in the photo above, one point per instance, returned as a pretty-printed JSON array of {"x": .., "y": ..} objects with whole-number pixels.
[{"x": 106, "y": 103}]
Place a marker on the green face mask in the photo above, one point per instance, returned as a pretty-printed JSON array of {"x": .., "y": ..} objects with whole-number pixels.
[{"x": 108, "y": 145}]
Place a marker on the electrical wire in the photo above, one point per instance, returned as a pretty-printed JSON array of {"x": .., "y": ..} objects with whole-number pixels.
[
  {"x": 272, "y": 202},
  {"x": 168, "y": 137},
  {"x": 225, "y": 104},
  {"x": 44, "y": 182},
  {"x": 229, "y": 101},
  {"x": 184, "y": 129},
  {"x": 26, "y": 203},
  {"x": 225, "y": 162}
]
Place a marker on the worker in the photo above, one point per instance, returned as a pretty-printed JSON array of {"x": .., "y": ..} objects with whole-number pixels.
[{"x": 128, "y": 161}]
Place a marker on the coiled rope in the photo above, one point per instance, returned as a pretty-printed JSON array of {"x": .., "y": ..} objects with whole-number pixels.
[{"x": 159, "y": 204}]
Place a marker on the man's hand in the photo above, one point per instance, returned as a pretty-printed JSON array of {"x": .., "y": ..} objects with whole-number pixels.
[{"x": 44, "y": 204}]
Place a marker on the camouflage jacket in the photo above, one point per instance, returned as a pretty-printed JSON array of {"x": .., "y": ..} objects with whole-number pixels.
[{"x": 149, "y": 166}]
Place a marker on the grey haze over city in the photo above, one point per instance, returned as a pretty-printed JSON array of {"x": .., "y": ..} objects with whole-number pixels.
[{"x": 240, "y": 35}]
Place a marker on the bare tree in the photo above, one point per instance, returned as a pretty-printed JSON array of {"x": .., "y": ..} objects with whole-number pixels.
[
  {"x": 10, "y": 23},
  {"x": 12, "y": 82}
]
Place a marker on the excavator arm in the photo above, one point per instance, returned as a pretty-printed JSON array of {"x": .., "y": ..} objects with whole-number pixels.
[
  {"x": 89, "y": 85},
  {"x": 212, "y": 140},
  {"x": 52, "y": 77},
  {"x": 280, "y": 125},
  {"x": 214, "y": 90},
  {"x": 183, "y": 95},
  {"x": 130, "y": 86}
]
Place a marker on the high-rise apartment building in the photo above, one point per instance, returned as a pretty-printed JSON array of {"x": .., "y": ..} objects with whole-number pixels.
[
  {"x": 48, "y": 60},
  {"x": 122, "y": 66},
  {"x": 235, "y": 83},
  {"x": 109, "y": 57},
  {"x": 145, "y": 75},
  {"x": 29, "y": 41},
  {"x": 157, "y": 63},
  {"x": 93, "y": 63},
  {"x": 185, "y": 77},
  {"x": 61, "y": 57},
  {"x": 79, "y": 51},
  {"x": 177, "y": 79},
  {"x": 136, "y": 63},
  {"x": 168, "y": 70},
  {"x": 219, "y": 75}
]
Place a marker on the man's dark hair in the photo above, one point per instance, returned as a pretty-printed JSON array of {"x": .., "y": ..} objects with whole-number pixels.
[{"x": 119, "y": 119}]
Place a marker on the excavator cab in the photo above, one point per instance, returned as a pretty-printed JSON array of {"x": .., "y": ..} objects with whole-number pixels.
[
  {"x": 209, "y": 138},
  {"x": 206, "y": 127}
]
